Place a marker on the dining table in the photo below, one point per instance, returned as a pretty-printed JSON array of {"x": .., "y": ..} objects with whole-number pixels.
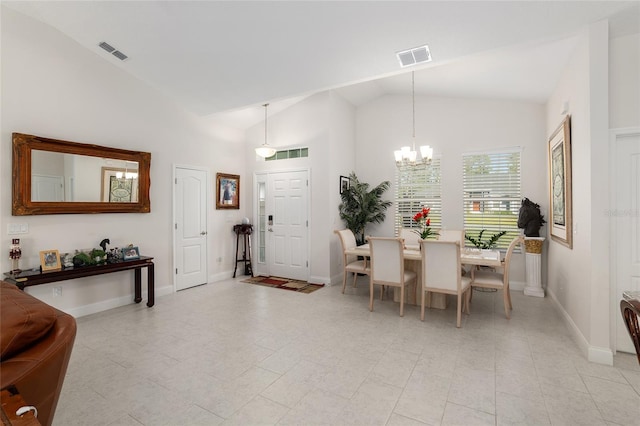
[{"x": 413, "y": 261}]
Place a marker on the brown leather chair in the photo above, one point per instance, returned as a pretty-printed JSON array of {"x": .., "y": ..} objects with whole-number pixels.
[
  {"x": 631, "y": 316},
  {"x": 36, "y": 342}
]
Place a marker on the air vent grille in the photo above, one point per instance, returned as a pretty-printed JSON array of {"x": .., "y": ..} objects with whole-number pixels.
[
  {"x": 117, "y": 53},
  {"x": 414, "y": 56},
  {"x": 106, "y": 46}
]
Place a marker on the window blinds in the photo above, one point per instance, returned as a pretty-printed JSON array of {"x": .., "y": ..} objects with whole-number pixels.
[{"x": 418, "y": 186}]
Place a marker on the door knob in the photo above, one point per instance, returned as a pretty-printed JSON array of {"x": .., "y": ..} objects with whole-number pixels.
[
  {"x": 203, "y": 233},
  {"x": 270, "y": 229}
]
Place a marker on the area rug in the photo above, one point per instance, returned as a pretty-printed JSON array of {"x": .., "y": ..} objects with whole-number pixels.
[{"x": 284, "y": 283}]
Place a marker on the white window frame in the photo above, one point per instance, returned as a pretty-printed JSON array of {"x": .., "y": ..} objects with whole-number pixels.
[
  {"x": 492, "y": 197},
  {"x": 415, "y": 187}
]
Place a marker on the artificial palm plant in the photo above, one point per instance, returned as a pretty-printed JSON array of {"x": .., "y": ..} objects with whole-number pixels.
[{"x": 361, "y": 206}]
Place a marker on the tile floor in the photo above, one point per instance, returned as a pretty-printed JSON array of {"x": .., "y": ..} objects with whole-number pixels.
[{"x": 234, "y": 353}]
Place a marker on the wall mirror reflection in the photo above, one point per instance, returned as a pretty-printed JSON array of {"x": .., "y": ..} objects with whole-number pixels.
[{"x": 54, "y": 176}]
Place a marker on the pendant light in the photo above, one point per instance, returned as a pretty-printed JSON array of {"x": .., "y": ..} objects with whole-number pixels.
[
  {"x": 265, "y": 151},
  {"x": 408, "y": 156}
]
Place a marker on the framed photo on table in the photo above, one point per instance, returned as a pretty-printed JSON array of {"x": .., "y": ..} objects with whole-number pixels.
[
  {"x": 227, "y": 191},
  {"x": 50, "y": 260},
  {"x": 560, "y": 200},
  {"x": 130, "y": 253}
]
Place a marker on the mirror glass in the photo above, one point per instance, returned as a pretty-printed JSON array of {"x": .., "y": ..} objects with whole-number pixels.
[
  {"x": 59, "y": 176},
  {"x": 52, "y": 176}
]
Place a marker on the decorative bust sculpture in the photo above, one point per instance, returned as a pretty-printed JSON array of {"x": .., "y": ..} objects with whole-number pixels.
[{"x": 530, "y": 219}]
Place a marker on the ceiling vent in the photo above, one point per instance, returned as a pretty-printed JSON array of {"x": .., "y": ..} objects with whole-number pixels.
[
  {"x": 414, "y": 56},
  {"x": 118, "y": 54}
]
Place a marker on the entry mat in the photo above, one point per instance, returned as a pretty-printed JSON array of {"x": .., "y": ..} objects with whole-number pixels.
[{"x": 284, "y": 283}]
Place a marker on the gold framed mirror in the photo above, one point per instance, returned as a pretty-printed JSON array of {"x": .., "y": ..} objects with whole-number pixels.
[{"x": 52, "y": 176}]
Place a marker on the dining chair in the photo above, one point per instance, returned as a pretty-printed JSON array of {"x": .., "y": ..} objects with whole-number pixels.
[
  {"x": 351, "y": 262},
  {"x": 498, "y": 280},
  {"x": 630, "y": 310},
  {"x": 441, "y": 273},
  {"x": 387, "y": 267},
  {"x": 411, "y": 239},
  {"x": 451, "y": 235}
]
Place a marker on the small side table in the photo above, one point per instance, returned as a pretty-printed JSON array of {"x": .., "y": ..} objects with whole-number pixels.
[
  {"x": 533, "y": 266},
  {"x": 245, "y": 230}
]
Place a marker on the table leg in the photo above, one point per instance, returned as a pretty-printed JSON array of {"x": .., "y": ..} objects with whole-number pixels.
[
  {"x": 138, "y": 285},
  {"x": 150, "y": 285}
]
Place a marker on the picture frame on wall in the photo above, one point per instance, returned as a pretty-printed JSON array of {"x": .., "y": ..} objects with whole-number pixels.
[
  {"x": 345, "y": 183},
  {"x": 227, "y": 191},
  {"x": 560, "y": 188},
  {"x": 50, "y": 260},
  {"x": 119, "y": 185}
]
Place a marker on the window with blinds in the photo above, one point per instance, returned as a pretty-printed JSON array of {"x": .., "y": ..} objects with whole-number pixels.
[
  {"x": 492, "y": 194},
  {"x": 418, "y": 186}
]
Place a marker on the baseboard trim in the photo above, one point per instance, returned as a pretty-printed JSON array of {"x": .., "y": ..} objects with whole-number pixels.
[
  {"x": 595, "y": 354},
  {"x": 105, "y": 305},
  {"x": 319, "y": 280}
]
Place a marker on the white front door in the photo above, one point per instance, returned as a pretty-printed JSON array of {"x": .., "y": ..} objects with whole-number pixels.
[
  {"x": 624, "y": 214},
  {"x": 190, "y": 228},
  {"x": 287, "y": 224}
]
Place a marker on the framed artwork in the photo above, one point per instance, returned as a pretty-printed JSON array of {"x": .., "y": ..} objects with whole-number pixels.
[
  {"x": 50, "y": 260},
  {"x": 227, "y": 191},
  {"x": 345, "y": 183},
  {"x": 130, "y": 253},
  {"x": 119, "y": 185},
  {"x": 560, "y": 201}
]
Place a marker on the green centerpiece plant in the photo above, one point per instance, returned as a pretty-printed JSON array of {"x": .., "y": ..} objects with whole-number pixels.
[{"x": 484, "y": 244}]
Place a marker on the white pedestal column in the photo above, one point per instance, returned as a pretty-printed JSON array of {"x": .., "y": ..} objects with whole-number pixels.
[{"x": 533, "y": 266}]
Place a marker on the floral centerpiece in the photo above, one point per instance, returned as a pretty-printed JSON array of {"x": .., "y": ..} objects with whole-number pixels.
[{"x": 424, "y": 224}]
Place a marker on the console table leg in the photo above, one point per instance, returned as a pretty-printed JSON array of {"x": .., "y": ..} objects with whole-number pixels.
[
  {"x": 138, "y": 285},
  {"x": 150, "y": 285}
]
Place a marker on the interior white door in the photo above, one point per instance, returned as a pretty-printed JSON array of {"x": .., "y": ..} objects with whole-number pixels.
[
  {"x": 47, "y": 188},
  {"x": 627, "y": 226},
  {"x": 190, "y": 227},
  {"x": 287, "y": 224}
]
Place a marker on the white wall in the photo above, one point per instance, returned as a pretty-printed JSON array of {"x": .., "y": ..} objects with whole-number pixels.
[
  {"x": 452, "y": 126},
  {"x": 624, "y": 82},
  {"x": 52, "y": 87}
]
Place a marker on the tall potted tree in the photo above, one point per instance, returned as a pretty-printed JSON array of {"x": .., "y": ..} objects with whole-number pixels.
[{"x": 361, "y": 206}]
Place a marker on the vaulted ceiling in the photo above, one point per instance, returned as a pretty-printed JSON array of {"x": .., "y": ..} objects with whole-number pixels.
[{"x": 222, "y": 57}]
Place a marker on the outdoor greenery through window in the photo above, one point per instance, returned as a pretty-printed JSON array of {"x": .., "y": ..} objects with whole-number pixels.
[
  {"x": 492, "y": 194},
  {"x": 416, "y": 187}
]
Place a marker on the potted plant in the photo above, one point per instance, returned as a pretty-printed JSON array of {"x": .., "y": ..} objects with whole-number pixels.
[
  {"x": 361, "y": 206},
  {"x": 487, "y": 244}
]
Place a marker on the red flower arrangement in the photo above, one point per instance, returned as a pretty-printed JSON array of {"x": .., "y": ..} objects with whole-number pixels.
[{"x": 422, "y": 219}]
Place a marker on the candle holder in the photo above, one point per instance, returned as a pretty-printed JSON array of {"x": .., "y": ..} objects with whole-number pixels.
[{"x": 15, "y": 253}]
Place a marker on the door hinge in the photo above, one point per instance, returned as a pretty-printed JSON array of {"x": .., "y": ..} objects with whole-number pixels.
[
  {"x": 176, "y": 181},
  {"x": 307, "y": 223},
  {"x": 307, "y": 263},
  {"x": 307, "y": 182},
  {"x": 176, "y": 226},
  {"x": 176, "y": 271}
]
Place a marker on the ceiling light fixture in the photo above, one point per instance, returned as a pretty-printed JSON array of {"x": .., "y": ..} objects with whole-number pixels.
[
  {"x": 408, "y": 156},
  {"x": 265, "y": 151}
]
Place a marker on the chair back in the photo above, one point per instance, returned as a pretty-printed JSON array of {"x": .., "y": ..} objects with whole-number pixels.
[
  {"x": 507, "y": 257},
  {"x": 441, "y": 264},
  {"x": 411, "y": 239},
  {"x": 630, "y": 310},
  {"x": 451, "y": 235},
  {"x": 348, "y": 240},
  {"x": 387, "y": 260}
]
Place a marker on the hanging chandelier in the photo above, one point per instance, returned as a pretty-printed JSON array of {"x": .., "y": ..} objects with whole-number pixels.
[
  {"x": 264, "y": 150},
  {"x": 408, "y": 156}
]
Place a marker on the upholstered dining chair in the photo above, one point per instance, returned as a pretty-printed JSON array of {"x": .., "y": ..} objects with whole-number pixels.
[
  {"x": 441, "y": 274},
  {"x": 387, "y": 267},
  {"x": 351, "y": 262},
  {"x": 451, "y": 235},
  {"x": 498, "y": 280},
  {"x": 630, "y": 310},
  {"x": 411, "y": 239}
]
